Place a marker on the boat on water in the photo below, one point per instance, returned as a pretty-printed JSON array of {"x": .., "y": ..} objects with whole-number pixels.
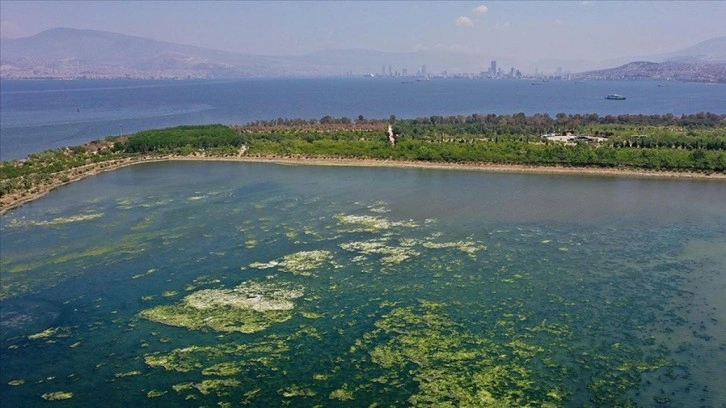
[{"x": 615, "y": 97}]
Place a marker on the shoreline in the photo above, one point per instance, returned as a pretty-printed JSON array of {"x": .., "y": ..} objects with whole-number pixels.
[{"x": 16, "y": 200}]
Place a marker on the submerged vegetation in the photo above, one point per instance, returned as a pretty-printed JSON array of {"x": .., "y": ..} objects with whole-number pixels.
[
  {"x": 406, "y": 345},
  {"x": 345, "y": 304}
]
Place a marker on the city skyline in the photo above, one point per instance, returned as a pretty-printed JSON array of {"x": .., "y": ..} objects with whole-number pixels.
[{"x": 515, "y": 33}]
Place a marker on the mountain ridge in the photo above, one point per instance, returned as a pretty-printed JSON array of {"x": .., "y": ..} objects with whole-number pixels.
[
  {"x": 712, "y": 50},
  {"x": 68, "y": 53},
  {"x": 710, "y": 72}
]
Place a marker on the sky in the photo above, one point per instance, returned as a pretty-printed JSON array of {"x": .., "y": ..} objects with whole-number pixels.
[{"x": 566, "y": 30}]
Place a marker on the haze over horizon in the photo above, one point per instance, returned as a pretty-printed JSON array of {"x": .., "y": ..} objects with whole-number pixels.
[{"x": 513, "y": 32}]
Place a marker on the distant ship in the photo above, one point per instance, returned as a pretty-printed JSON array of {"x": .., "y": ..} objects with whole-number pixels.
[{"x": 615, "y": 97}]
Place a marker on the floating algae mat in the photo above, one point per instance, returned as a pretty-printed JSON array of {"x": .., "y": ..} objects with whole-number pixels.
[{"x": 231, "y": 284}]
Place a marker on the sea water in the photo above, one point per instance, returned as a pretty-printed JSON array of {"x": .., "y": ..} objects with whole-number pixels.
[
  {"x": 205, "y": 284},
  {"x": 40, "y": 115}
]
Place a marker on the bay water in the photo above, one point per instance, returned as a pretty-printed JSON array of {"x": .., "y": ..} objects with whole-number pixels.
[
  {"x": 39, "y": 115},
  {"x": 368, "y": 286}
]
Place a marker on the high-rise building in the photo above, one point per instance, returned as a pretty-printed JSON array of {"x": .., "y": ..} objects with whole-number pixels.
[{"x": 493, "y": 68}]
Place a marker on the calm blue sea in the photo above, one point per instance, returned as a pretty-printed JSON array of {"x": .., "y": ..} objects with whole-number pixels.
[{"x": 39, "y": 115}]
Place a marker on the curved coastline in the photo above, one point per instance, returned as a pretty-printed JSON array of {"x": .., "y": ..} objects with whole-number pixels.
[{"x": 15, "y": 200}]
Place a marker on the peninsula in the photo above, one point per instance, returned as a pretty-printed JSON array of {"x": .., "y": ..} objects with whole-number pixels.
[{"x": 632, "y": 145}]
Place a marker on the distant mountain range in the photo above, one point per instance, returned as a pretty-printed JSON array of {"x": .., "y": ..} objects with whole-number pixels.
[
  {"x": 703, "y": 62},
  {"x": 71, "y": 53},
  {"x": 711, "y": 72},
  {"x": 709, "y": 51},
  {"x": 66, "y": 53}
]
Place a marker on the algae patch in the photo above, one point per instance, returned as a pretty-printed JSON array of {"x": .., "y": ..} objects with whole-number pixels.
[
  {"x": 57, "y": 221},
  {"x": 341, "y": 394},
  {"x": 389, "y": 254},
  {"x": 127, "y": 374},
  {"x": 468, "y": 247},
  {"x": 155, "y": 393},
  {"x": 449, "y": 365},
  {"x": 299, "y": 263},
  {"x": 247, "y": 308},
  {"x": 371, "y": 223},
  {"x": 50, "y": 332},
  {"x": 57, "y": 396}
]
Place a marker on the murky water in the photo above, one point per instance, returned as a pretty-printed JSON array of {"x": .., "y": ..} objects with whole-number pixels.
[{"x": 229, "y": 283}]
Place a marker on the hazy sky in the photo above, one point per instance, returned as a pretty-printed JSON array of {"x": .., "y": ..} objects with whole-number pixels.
[{"x": 595, "y": 30}]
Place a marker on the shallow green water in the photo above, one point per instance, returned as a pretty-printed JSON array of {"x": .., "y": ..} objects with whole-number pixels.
[{"x": 206, "y": 284}]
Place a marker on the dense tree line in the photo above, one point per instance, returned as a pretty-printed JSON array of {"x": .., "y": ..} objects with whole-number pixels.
[
  {"x": 187, "y": 138},
  {"x": 697, "y": 120},
  {"x": 325, "y": 120},
  {"x": 665, "y": 142},
  {"x": 532, "y": 123},
  {"x": 661, "y": 142},
  {"x": 504, "y": 152},
  {"x": 694, "y": 131}
]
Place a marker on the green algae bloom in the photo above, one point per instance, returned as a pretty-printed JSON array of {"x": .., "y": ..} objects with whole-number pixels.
[
  {"x": 484, "y": 338},
  {"x": 50, "y": 332},
  {"x": 57, "y": 396},
  {"x": 341, "y": 394},
  {"x": 247, "y": 308},
  {"x": 155, "y": 393},
  {"x": 260, "y": 297},
  {"x": 58, "y": 221},
  {"x": 223, "y": 369},
  {"x": 299, "y": 263},
  {"x": 127, "y": 374},
  {"x": 451, "y": 366},
  {"x": 389, "y": 254},
  {"x": 180, "y": 360},
  {"x": 218, "y": 386},
  {"x": 468, "y": 247},
  {"x": 296, "y": 391},
  {"x": 243, "y": 357},
  {"x": 371, "y": 223},
  {"x": 379, "y": 207},
  {"x": 147, "y": 273}
]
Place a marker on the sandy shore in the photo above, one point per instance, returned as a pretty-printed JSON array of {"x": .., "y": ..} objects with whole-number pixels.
[{"x": 15, "y": 200}]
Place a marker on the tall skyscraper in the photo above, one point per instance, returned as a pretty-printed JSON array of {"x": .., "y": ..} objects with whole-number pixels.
[{"x": 493, "y": 68}]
